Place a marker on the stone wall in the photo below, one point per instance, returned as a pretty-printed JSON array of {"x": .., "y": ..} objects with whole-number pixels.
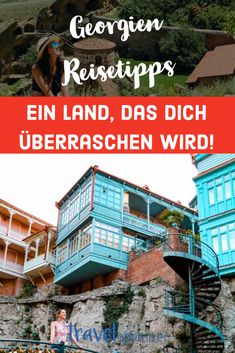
[
  {"x": 86, "y": 311},
  {"x": 226, "y": 304}
]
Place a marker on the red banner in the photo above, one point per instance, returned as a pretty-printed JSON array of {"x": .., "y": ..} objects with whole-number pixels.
[{"x": 117, "y": 125}]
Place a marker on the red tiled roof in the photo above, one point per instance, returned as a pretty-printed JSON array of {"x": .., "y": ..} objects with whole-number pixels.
[{"x": 215, "y": 63}]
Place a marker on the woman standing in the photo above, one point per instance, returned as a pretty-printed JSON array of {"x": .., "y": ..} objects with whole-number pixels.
[
  {"x": 59, "y": 332},
  {"x": 48, "y": 71}
]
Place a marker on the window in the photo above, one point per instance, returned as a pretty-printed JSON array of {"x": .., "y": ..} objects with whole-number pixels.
[
  {"x": 106, "y": 235},
  {"x": 85, "y": 236},
  {"x": 73, "y": 245},
  {"x": 74, "y": 208},
  {"x": 62, "y": 253},
  {"x": 214, "y": 231},
  {"x": 228, "y": 193},
  {"x": 226, "y": 234},
  {"x": 224, "y": 242},
  {"x": 108, "y": 194},
  {"x": 116, "y": 240},
  {"x": 219, "y": 191},
  {"x": 215, "y": 244},
  {"x": 211, "y": 197},
  {"x": 232, "y": 239},
  {"x": 233, "y": 179},
  {"x": 86, "y": 196},
  {"x": 223, "y": 229},
  {"x": 128, "y": 243},
  {"x": 64, "y": 217}
]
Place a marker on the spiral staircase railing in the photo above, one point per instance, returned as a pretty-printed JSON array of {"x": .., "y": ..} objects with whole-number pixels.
[{"x": 197, "y": 264}]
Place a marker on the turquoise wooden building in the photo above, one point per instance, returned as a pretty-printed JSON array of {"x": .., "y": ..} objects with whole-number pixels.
[
  {"x": 101, "y": 219},
  {"x": 215, "y": 184}
]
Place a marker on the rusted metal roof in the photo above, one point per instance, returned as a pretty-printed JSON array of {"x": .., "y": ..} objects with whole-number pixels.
[{"x": 216, "y": 63}]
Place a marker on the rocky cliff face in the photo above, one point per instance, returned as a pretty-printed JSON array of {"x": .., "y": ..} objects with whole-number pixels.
[
  {"x": 142, "y": 327},
  {"x": 226, "y": 304}
]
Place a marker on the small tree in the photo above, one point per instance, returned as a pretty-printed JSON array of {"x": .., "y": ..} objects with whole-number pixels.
[
  {"x": 28, "y": 59},
  {"x": 185, "y": 47},
  {"x": 230, "y": 23},
  {"x": 148, "y": 9},
  {"x": 171, "y": 217}
]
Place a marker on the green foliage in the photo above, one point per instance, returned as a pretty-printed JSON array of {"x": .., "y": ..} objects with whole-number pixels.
[
  {"x": 169, "y": 344},
  {"x": 28, "y": 290},
  {"x": 42, "y": 329},
  {"x": 171, "y": 320},
  {"x": 230, "y": 23},
  {"x": 28, "y": 59},
  {"x": 35, "y": 336},
  {"x": 190, "y": 232},
  {"x": 115, "y": 307},
  {"x": 27, "y": 331},
  {"x": 208, "y": 14},
  {"x": 157, "y": 280},
  {"x": 185, "y": 47},
  {"x": 27, "y": 309},
  {"x": 183, "y": 288},
  {"x": 171, "y": 217},
  {"x": 141, "y": 292},
  {"x": 142, "y": 311},
  {"x": 182, "y": 334},
  {"x": 148, "y": 9},
  {"x": 20, "y": 10},
  {"x": 53, "y": 292}
]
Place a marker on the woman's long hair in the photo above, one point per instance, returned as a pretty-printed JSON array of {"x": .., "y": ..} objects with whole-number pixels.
[
  {"x": 58, "y": 313},
  {"x": 44, "y": 65}
]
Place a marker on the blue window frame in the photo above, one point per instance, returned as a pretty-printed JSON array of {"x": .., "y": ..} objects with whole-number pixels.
[
  {"x": 107, "y": 194},
  {"x": 107, "y": 235},
  {"x": 85, "y": 196},
  {"x": 223, "y": 238}
]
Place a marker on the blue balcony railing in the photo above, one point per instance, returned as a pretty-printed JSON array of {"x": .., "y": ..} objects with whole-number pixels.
[
  {"x": 38, "y": 262},
  {"x": 196, "y": 248},
  {"x": 143, "y": 224}
]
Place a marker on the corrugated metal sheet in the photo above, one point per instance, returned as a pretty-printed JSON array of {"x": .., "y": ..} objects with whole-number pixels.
[{"x": 213, "y": 160}]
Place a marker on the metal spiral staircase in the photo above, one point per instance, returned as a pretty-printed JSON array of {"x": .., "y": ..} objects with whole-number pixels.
[{"x": 197, "y": 264}]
